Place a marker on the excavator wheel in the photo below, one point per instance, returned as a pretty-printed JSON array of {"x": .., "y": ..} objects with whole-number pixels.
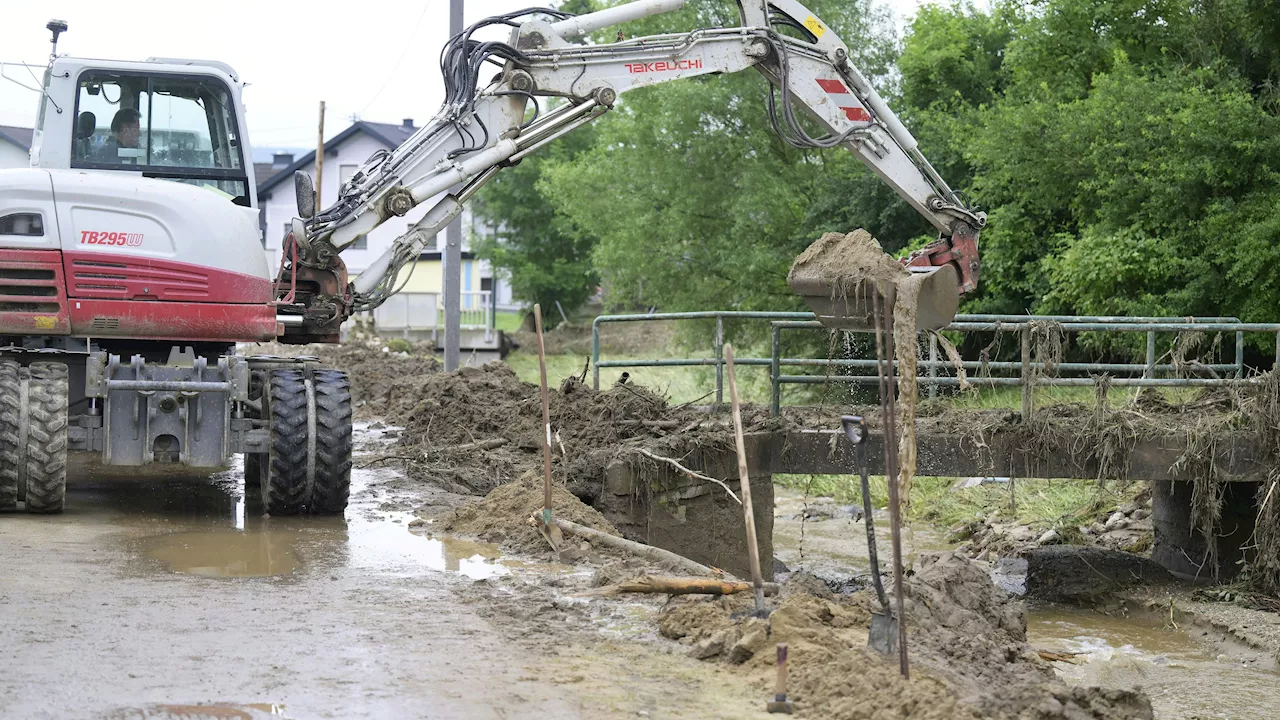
[
  {"x": 10, "y": 437},
  {"x": 307, "y": 467},
  {"x": 332, "y": 486},
  {"x": 46, "y": 438},
  {"x": 284, "y": 478}
]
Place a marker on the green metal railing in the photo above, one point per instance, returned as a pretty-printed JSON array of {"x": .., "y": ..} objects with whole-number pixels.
[{"x": 1028, "y": 372}]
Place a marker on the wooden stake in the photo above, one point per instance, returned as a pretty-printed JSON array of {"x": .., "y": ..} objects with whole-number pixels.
[
  {"x": 671, "y": 586},
  {"x": 546, "y": 415},
  {"x": 648, "y": 552},
  {"x": 753, "y": 550},
  {"x": 320, "y": 159}
]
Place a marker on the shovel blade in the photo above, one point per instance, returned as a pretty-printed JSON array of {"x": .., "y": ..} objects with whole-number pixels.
[{"x": 883, "y": 637}]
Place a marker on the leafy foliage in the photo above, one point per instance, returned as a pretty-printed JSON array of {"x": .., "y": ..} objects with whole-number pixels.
[{"x": 1126, "y": 151}]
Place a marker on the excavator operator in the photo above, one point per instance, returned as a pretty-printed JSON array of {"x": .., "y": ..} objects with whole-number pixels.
[{"x": 126, "y": 130}]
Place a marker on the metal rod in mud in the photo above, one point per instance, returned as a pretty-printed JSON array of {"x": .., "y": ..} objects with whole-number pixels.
[
  {"x": 891, "y": 466},
  {"x": 753, "y": 550},
  {"x": 546, "y": 416}
]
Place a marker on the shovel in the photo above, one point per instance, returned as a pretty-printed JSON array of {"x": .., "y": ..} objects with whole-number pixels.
[
  {"x": 884, "y": 626},
  {"x": 549, "y": 530}
]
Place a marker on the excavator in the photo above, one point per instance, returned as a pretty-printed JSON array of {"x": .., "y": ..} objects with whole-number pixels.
[{"x": 131, "y": 259}]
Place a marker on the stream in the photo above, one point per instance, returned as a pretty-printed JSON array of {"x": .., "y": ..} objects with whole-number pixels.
[{"x": 1186, "y": 676}]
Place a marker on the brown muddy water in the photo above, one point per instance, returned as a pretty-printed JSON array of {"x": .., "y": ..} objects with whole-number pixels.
[{"x": 1187, "y": 676}]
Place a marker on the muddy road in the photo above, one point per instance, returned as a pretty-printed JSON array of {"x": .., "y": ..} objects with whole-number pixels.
[{"x": 169, "y": 597}]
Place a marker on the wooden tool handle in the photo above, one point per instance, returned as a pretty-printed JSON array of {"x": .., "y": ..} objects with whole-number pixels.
[
  {"x": 546, "y": 409},
  {"x": 782, "y": 669}
]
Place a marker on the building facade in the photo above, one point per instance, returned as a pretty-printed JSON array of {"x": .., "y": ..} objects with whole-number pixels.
[
  {"x": 15, "y": 147},
  {"x": 344, "y": 154}
]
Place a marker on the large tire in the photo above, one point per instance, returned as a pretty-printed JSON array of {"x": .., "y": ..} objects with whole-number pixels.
[
  {"x": 46, "y": 452},
  {"x": 332, "y": 483},
  {"x": 285, "y": 490},
  {"x": 10, "y": 437}
]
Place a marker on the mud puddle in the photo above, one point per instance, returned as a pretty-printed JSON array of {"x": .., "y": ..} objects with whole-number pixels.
[
  {"x": 204, "y": 526},
  {"x": 221, "y": 711},
  {"x": 1185, "y": 678}
]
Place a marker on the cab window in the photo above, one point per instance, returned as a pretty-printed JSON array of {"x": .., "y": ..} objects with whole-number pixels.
[{"x": 180, "y": 128}]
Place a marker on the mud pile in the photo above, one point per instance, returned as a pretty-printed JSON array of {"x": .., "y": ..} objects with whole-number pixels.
[
  {"x": 850, "y": 266},
  {"x": 383, "y": 382},
  {"x": 502, "y": 516},
  {"x": 477, "y": 428},
  {"x": 967, "y": 641}
]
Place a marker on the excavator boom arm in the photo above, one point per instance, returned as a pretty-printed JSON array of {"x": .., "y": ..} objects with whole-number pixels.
[{"x": 480, "y": 130}]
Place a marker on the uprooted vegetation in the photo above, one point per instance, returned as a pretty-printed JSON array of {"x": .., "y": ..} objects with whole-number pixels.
[
  {"x": 477, "y": 428},
  {"x": 966, "y": 640}
]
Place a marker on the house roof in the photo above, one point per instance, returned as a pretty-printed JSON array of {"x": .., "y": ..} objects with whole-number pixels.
[
  {"x": 389, "y": 134},
  {"x": 263, "y": 172},
  {"x": 19, "y": 136}
]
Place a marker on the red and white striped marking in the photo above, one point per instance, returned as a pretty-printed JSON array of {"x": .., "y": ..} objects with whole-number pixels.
[{"x": 844, "y": 100}]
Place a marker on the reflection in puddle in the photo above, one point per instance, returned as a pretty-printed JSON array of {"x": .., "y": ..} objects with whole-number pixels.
[
  {"x": 1183, "y": 678},
  {"x": 220, "y": 711},
  {"x": 225, "y": 553},
  {"x": 212, "y": 533},
  {"x": 273, "y": 546}
]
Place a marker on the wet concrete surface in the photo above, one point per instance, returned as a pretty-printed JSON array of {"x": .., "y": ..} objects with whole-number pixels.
[{"x": 153, "y": 594}]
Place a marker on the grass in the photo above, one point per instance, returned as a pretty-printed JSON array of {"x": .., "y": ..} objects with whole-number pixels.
[
  {"x": 678, "y": 384},
  {"x": 507, "y": 320},
  {"x": 1010, "y": 398},
  {"x": 1041, "y": 504}
]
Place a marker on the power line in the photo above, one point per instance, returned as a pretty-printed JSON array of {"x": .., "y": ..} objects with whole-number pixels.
[{"x": 405, "y": 51}]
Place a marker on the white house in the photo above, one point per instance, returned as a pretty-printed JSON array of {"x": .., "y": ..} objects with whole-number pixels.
[
  {"x": 15, "y": 147},
  {"x": 343, "y": 155}
]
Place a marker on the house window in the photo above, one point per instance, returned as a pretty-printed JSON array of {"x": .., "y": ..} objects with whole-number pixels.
[
  {"x": 361, "y": 243},
  {"x": 486, "y": 284}
]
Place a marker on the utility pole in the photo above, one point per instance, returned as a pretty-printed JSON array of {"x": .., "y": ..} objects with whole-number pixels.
[
  {"x": 453, "y": 252},
  {"x": 320, "y": 158}
]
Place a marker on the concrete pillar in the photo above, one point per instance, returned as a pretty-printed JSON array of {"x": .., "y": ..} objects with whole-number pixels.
[{"x": 1181, "y": 548}]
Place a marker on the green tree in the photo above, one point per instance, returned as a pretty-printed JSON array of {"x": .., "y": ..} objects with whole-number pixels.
[
  {"x": 697, "y": 202},
  {"x": 547, "y": 259}
]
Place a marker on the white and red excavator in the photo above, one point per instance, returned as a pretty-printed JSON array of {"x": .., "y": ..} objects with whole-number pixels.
[{"x": 131, "y": 257}]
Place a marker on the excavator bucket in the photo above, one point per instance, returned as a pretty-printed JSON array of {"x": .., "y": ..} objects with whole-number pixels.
[{"x": 838, "y": 274}]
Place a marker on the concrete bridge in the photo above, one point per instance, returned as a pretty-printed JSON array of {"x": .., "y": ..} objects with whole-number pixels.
[{"x": 661, "y": 505}]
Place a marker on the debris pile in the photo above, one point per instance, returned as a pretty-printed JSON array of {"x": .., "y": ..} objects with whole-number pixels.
[
  {"x": 472, "y": 430},
  {"x": 1125, "y": 527},
  {"x": 967, "y": 639},
  {"x": 502, "y": 516}
]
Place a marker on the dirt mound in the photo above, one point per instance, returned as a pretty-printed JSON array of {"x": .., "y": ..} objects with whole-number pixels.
[
  {"x": 384, "y": 382},
  {"x": 1084, "y": 574},
  {"x": 491, "y": 401},
  {"x": 477, "y": 428},
  {"x": 502, "y": 515},
  {"x": 967, "y": 638},
  {"x": 862, "y": 685}
]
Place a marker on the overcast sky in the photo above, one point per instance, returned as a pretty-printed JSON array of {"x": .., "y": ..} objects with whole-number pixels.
[{"x": 378, "y": 59}]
